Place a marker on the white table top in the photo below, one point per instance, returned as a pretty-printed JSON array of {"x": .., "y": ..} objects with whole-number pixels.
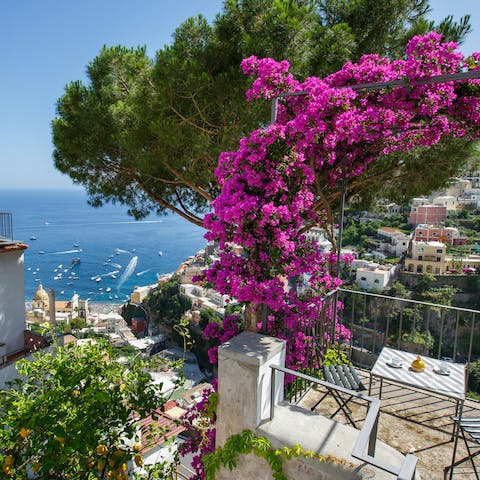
[{"x": 452, "y": 385}]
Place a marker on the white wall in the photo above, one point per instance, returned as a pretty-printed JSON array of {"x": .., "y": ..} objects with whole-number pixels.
[{"x": 12, "y": 300}]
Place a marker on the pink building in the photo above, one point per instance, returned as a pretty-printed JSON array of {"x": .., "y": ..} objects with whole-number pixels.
[
  {"x": 429, "y": 214},
  {"x": 439, "y": 233}
]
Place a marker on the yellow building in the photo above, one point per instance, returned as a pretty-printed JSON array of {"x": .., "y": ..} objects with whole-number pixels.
[{"x": 427, "y": 257}]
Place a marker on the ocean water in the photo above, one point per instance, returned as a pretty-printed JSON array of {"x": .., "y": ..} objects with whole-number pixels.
[{"x": 59, "y": 226}]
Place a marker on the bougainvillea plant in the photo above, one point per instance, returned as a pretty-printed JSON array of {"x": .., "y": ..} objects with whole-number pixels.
[{"x": 273, "y": 188}]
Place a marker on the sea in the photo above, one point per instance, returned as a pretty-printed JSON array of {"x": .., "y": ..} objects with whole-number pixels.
[{"x": 99, "y": 253}]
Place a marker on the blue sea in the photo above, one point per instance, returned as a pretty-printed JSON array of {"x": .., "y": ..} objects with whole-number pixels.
[{"x": 115, "y": 252}]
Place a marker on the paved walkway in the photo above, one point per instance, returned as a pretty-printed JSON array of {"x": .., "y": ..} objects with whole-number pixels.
[{"x": 412, "y": 421}]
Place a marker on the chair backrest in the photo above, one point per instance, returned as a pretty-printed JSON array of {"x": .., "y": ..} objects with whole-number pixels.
[{"x": 344, "y": 376}]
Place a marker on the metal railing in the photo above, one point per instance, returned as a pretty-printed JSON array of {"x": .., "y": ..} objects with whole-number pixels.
[
  {"x": 6, "y": 226},
  {"x": 441, "y": 331},
  {"x": 364, "y": 448}
]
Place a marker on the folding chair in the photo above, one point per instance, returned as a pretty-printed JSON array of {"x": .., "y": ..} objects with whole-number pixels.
[
  {"x": 342, "y": 376},
  {"x": 470, "y": 426}
]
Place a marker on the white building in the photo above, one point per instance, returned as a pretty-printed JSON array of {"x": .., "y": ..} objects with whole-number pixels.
[
  {"x": 448, "y": 201},
  {"x": 12, "y": 293},
  {"x": 318, "y": 235},
  {"x": 458, "y": 187},
  {"x": 393, "y": 241},
  {"x": 375, "y": 276},
  {"x": 470, "y": 197}
]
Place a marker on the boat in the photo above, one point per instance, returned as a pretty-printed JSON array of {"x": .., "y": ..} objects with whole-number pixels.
[
  {"x": 75, "y": 261},
  {"x": 41, "y": 252},
  {"x": 33, "y": 238},
  {"x": 160, "y": 253},
  {"x": 113, "y": 275},
  {"x": 70, "y": 283},
  {"x": 98, "y": 279},
  {"x": 108, "y": 289},
  {"x": 62, "y": 292},
  {"x": 76, "y": 245}
]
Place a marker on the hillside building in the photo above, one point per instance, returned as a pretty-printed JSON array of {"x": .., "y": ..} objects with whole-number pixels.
[
  {"x": 430, "y": 214},
  {"x": 393, "y": 241},
  {"x": 12, "y": 290},
  {"x": 439, "y": 233}
]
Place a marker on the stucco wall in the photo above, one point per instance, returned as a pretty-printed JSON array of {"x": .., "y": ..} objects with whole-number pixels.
[{"x": 12, "y": 300}]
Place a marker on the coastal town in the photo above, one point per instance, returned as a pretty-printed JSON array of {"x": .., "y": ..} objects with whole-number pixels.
[
  {"x": 240, "y": 240},
  {"x": 426, "y": 245}
]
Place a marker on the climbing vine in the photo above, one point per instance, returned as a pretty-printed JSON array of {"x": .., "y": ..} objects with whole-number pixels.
[
  {"x": 247, "y": 442},
  {"x": 278, "y": 183}
]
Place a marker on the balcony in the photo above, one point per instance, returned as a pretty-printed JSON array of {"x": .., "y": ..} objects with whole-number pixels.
[
  {"x": 406, "y": 422},
  {"x": 6, "y": 227}
]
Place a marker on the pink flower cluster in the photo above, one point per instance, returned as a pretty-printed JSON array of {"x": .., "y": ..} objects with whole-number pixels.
[
  {"x": 221, "y": 334},
  {"x": 270, "y": 184},
  {"x": 199, "y": 443}
]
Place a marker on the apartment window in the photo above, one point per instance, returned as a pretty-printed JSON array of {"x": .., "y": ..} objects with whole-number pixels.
[
  {"x": 376, "y": 281},
  {"x": 363, "y": 278},
  {"x": 437, "y": 271},
  {"x": 421, "y": 249},
  {"x": 420, "y": 257},
  {"x": 439, "y": 250},
  {"x": 438, "y": 259}
]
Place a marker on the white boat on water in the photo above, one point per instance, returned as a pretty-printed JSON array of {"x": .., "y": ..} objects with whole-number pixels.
[
  {"x": 33, "y": 238},
  {"x": 98, "y": 279},
  {"x": 108, "y": 289},
  {"x": 160, "y": 253}
]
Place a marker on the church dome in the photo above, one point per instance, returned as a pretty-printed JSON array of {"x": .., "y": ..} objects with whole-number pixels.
[{"x": 40, "y": 294}]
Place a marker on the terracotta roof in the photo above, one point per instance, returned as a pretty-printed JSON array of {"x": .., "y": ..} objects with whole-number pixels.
[
  {"x": 389, "y": 230},
  {"x": 11, "y": 247},
  {"x": 63, "y": 304},
  {"x": 166, "y": 427}
]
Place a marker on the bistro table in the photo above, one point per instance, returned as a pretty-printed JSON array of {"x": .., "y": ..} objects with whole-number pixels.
[{"x": 431, "y": 379}]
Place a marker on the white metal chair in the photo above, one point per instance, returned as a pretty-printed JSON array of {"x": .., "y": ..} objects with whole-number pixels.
[{"x": 469, "y": 426}]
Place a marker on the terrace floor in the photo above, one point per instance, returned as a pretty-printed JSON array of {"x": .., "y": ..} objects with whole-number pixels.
[{"x": 411, "y": 421}]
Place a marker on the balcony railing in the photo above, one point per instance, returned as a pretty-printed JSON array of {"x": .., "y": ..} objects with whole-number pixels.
[
  {"x": 364, "y": 448},
  {"x": 6, "y": 226},
  {"x": 441, "y": 331},
  {"x": 375, "y": 320}
]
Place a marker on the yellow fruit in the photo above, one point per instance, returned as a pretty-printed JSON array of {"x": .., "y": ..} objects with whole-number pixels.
[
  {"x": 75, "y": 393},
  {"x": 123, "y": 467},
  {"x": 138, "y": 460},
  {"x": 9, "y": 460},
  {"x": 24, "y": 432},
  {"x": 137, "y": 447},
  {"x": 36, "y": 466},
  {"x": 90, "y": 462},
  {"x": 122, "y": 387},
  {"x": 7, "y": 470},
  {"x": 102, "y": 450}
]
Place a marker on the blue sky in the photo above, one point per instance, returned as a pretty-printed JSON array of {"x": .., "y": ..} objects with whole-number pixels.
[{"x": 46, "y": 44}]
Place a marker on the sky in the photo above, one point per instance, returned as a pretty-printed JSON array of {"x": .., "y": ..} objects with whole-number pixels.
[{"x": 46, "y": 44}]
